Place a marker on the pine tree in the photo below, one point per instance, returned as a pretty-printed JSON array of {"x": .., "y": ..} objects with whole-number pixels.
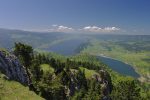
[{"x": 126, "y": 90}]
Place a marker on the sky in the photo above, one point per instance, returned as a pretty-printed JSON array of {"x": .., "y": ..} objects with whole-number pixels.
[{"x": 77, "y": 16}]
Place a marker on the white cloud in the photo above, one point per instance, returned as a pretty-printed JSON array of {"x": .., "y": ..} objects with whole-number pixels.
[
  {"x": 99, "y": 29},
  {"x": 86, "y": 29},
  {"x": 61, "y": 28}
]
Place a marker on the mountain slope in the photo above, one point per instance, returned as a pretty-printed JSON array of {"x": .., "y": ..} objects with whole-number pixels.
[
  {"x": 37, "y": 39},
  {"x": 11, "y": 67},
  {"x": 12, "y": 90},
  {"x": 14, "y": 80}
]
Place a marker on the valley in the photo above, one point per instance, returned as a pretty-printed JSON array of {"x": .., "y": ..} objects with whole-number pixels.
[
  {"x": 124, "y": 58},
  {"x": 74, "y": 50},
  {"x": 68, "y": 48},
  {"x": 130, "y": 49},
  {"x": 132, "y": 52}
]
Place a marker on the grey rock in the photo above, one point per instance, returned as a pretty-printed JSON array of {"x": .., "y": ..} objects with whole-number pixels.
[{"x": 11, "y": 67}]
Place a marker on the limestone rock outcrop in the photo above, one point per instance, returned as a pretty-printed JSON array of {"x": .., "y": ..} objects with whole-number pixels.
[{"x": 11, "y": 67}]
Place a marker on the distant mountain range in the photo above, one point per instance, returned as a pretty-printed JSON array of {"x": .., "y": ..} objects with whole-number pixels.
[
  {"x": 8, "y": 37},
  {"x": 43, "y": 39}
]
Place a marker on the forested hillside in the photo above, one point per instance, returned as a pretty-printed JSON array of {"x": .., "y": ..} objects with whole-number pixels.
[{"x": 80, "y": 77}]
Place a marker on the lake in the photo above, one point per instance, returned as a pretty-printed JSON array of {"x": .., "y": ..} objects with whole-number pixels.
[
  {"x": 69, "y": 47},
  {"x": 119, "y": 66}
]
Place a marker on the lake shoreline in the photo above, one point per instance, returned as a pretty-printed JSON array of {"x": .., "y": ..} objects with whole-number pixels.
[
  {"x": 140, "y": 78},
  {"x": 130, "y": 66}
]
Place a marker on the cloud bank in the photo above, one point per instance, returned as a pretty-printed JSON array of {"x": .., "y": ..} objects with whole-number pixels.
[
  {"x": 99, "y": 29},
  {"x": 89, "y": 29},
  {"x": 61, "y": 28}
]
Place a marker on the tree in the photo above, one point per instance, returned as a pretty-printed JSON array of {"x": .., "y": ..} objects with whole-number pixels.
[
  {"x": 82, "y": 79},
  {"x": 24, "y": 53},
  {"x": 126, "y": 90}
]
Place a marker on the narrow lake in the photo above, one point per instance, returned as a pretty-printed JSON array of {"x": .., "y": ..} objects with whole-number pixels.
[
  {"x": 68, "y": 48},
  {"x": 119, "y": 66}
]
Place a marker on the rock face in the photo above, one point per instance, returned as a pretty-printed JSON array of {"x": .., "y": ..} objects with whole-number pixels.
[
  {"x": 105, "y": 80},
  {"x": 10, "y": 66}
]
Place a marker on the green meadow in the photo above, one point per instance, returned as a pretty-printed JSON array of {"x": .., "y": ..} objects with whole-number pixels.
[
  {"x": 139, "y": 59},
  {"x": 12, "y": 90}
]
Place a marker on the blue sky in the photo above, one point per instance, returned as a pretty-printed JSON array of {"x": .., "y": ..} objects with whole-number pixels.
[{"x": 95, "y": 16}]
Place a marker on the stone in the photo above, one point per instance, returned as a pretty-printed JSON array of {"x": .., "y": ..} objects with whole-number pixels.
[{"x": 11, "y": 67}]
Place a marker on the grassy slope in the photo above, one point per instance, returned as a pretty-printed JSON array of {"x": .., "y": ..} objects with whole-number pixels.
[
  {"x": 117, "y": 52},
  {"x": 88, "y": 73},
  {"x": 46, "y": 67},
  {"x": 11, "y": 90}
]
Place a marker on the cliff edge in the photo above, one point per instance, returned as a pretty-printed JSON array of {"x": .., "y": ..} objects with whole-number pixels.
[{"x": 11, "y": 67}]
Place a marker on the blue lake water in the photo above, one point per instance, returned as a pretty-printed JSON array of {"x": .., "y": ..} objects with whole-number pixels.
[
  {"x": 119, "y": 66},
  {"x": 68, "y": 48}
]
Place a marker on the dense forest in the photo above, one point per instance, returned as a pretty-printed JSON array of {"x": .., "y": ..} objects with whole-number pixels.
[{"x": 81, "y": 77}]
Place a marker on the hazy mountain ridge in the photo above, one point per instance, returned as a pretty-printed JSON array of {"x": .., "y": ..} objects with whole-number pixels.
[{"x": 36, "y": 39}]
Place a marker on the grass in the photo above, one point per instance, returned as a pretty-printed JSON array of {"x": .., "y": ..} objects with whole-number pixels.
[
  {"x": 11, "y": 90},
  {"x": 88, "y": 73},
  {"x": 46, "y": 67}
]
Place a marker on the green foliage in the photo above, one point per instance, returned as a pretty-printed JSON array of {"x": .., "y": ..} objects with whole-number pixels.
[
  {"x": 94, "y": 91},
  {"x": 82, "y": 79},
  {"x": 47, "y": 68},
  {"x": 72, "y": 78},
  {"x": 24, "y": 52},
  {"x": 133, "y": 51},
  {"x": 88, "y": 73},
  {"x": 79, "y": 95},
  {"x": 126, "y": 89},
  {"x": 57, "y": 74}
]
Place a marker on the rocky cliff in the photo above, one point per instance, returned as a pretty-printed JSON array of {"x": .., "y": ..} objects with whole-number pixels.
[{"x": 10, "y": 66}]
